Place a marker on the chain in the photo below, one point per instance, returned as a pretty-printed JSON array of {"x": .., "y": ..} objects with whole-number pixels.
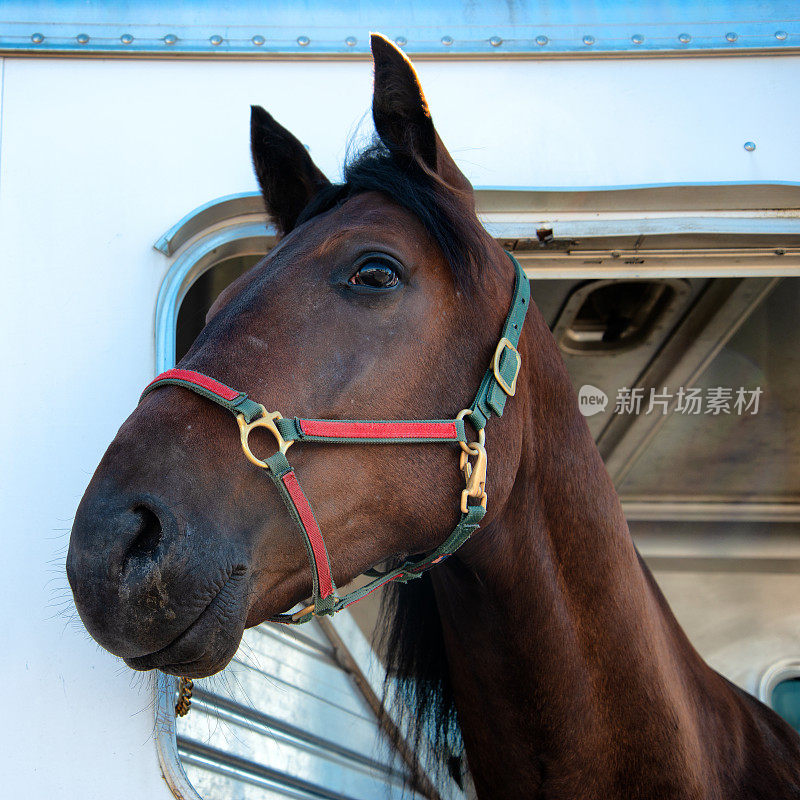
[{"x": 185, "y": 686}]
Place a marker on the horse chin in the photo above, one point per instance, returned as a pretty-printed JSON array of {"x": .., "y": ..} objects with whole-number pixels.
[{"x": 207, "y": 645}]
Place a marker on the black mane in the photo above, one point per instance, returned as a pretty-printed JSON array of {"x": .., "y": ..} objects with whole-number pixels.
[
  {"x": 412, "y": 647},
  {"x": 446, "y": 213}
]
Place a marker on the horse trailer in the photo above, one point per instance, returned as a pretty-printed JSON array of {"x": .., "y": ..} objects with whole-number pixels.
[{"x": 642, "y": 164}]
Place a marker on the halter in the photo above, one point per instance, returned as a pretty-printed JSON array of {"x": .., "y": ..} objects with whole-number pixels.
[{"x": 499, "y": 383}]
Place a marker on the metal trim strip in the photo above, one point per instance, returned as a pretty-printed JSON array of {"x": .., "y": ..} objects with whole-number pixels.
[
  {"x": 639, "y": 198},
  {"x": 429, "y": 28}
]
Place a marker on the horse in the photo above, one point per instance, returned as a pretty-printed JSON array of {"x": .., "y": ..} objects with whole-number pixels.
[{"x": 542, "y": 645}]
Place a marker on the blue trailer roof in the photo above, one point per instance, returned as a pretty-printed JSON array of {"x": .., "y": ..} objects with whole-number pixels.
[{"x": 496, "y": 28}]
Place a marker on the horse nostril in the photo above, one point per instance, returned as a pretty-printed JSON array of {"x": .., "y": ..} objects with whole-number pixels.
[{"x": 147, "y": 537}]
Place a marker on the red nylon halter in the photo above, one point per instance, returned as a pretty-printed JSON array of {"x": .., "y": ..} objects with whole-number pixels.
[
  {"x": 287, "y": 431},
  {"x": 222, "y": 391},
  {"x": 312, "y": 531},
  {"x": 499, "y": 383},
  {"x": 338, "y": 429}
]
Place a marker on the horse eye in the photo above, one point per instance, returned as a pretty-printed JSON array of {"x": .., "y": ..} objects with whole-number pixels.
[{"x": 376, "y": 275}]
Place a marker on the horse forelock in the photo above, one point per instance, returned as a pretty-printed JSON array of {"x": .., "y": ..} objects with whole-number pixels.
[{"x": 445, "y": 211}]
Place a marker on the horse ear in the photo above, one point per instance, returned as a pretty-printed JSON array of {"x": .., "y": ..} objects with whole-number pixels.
[
  {"x": 402, "y": 118},
  {"x": 286, "y": 174},
  {"x": 399, "y": 108}
]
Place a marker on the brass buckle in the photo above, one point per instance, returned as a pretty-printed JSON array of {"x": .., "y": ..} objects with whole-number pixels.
[
  {"x": 509, "y": 389},
  {"x": 266, "y": 420},
  {"x": 474, "y": 474}
]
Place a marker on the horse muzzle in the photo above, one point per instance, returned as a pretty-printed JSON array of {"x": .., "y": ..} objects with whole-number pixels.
[{"x": 147, "y": 590}]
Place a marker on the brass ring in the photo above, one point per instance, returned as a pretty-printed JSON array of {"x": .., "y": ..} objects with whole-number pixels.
[{"x": 266, "y": 420}]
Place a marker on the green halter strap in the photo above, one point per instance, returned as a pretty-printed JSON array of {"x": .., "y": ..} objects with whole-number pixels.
[
  {"x": 499, "y": 383},
  {"x": 500, "y": 380}
]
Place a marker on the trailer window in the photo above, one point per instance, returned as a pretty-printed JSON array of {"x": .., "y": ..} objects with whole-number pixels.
[
  {"x": 201, "y": 296},
  {"x": 786, "y": 701}
]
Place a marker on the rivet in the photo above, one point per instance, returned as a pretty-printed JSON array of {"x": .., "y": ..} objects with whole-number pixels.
[
  {"x": 401, "y": 41},
  {"x": 749, "y": 146},
  {"x": 126, "y": 38},
  {"x": 731, "y": 36},
  {"x": 258, "y": 40},
  {"x": 82, "y": 38},
  {"x": 170, "y": 38},
  {"x": 588, "y": 40},
  {"x": 495, "y": 41},
  {"x": 351, "y": 41},
  {"x": 216, "y": 40},
  {"x": 447, "y": 40},
  {"x": 542, "y": 40},
  {"x": 37, "y": 38},
  {"x": 781, "y": 35},
  {"x": 684, "y": 38},
  {"x": 637, "y": 38},
  {"x": 303, "y": 41}
]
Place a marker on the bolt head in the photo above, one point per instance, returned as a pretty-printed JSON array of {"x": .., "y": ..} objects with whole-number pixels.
[
  {"x": 781, "y": 35},
  {"x": 684, "y": 38},
  {"x": 37, "y": 38},
  {"x": 401, "y": 41},
  {"x": 542, "y": 40},
  {"x": 82, "y": 38},
  {"x": 637, "y": 38},
  {"x": 303, "y": 41},
  {"x": 749, "y": 146},
  {"x": 126, "y": 38},
  {"x": 258, "y": 40},
  {"x": 170, "y": 38},
  {"x": 731, "y": 36},
  {"x": 495, "y": 41},
  {"x": 216, "y": 40},
  {"x": 351, "y": 41},
  {"x": 588, "y": 40}
]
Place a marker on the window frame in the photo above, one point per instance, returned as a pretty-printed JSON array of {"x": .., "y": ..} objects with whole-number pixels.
[{"x": 784, "y": 670}]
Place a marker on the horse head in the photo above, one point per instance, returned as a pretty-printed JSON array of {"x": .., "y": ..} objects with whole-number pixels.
[{"x": 383, "y": 299}]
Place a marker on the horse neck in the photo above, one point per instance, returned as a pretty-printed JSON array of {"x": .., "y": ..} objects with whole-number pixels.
[{"x": 555, "y": 632}]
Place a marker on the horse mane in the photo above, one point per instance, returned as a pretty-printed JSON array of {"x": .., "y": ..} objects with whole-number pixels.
[
  {"x": 447, "y": 213},
  {"x": 417, "y": 694}
]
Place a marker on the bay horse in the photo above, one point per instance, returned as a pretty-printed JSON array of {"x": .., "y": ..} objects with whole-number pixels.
[{"x": 543, "y": 644}]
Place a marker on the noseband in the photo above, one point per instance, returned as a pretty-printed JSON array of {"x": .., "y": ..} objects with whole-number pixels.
[{"x": 499, "y": 382}]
